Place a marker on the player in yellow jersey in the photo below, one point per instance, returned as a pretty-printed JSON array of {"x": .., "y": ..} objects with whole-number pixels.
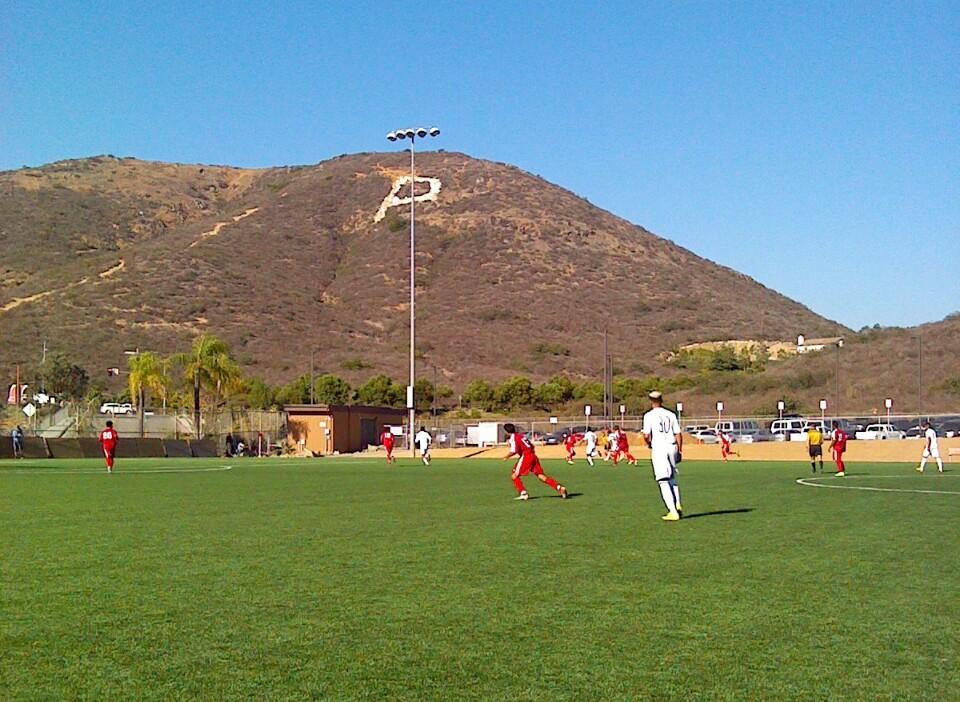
[{"x": 815, "y": 447}]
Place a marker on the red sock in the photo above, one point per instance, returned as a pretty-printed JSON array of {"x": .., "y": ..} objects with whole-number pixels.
[
  {"x": 839, "y": 464},
  {"x": 550, "y": 481},
  {"x": 518, "y": 484},
  {"x": 631, "y": 458}
]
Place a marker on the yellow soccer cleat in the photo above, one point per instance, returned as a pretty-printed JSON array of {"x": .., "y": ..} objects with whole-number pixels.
[
  {"x": 671, "y": 517},
  {"x": 919, "y": 469}
]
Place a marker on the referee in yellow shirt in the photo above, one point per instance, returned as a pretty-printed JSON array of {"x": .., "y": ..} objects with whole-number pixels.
[{"x": 815, "y": 447}]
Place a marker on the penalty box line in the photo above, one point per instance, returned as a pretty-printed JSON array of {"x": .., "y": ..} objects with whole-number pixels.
[
  {"x": 808, "y": 482},
  {"x": 103, "y": 471}
]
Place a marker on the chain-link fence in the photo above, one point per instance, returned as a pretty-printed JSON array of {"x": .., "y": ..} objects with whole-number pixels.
[{"x": 461, "y": 433}]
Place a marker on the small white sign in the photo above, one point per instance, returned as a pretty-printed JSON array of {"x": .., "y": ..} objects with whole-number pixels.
[
  {"x": 409, "y": 397},
  {"x": 781, "y": 405},
  {"x": 29, "y": 409},
  {"x": 719, "y": 407},
  {"x": 623, "y": 409},
  {"x": 588, "y": 410},
  {"x": 888, "y": 402},
  {"x": 823, "y": 404},
  {"x": 679, "y": 407},
  {"x": 554, "y": 420}
]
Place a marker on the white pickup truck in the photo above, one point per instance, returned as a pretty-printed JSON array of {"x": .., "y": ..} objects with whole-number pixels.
[{"x": 875, "y": 432}]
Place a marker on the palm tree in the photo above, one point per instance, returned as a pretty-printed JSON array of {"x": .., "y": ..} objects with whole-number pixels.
[
  {"x": 208, "y": 365},
  {"x": 148, "y": 372}
]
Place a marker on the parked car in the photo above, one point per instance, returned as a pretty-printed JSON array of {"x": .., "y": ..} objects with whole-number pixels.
[
  {"x": 117, "y": 408},
  {"x": 707, "y": 436},
  {"x": 949, "y": 429},
  {"x": 881, "y": 432},
  {"x": 751, "y": 437},
  {"x": 694, "y": 428},
  {"x": 552, "y": 439},
  {"x": 916, "y": 431}
]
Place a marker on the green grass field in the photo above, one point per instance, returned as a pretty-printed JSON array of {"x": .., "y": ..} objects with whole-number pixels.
[{"x": 345, "y": 579}]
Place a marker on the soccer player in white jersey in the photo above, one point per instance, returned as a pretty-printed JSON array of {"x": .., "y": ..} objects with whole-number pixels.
[
  {"x": 423, "y": 441},
  {"x": 590, "y": 437},
  {"x": 930, "y": 448},
  {"x": 661, "y": 432}
]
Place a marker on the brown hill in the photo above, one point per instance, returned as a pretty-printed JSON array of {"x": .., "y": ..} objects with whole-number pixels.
[{"x": 515, "y": 274}]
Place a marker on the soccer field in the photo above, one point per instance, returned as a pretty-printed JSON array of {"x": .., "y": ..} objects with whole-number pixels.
[{"x": 346, "y": 579}]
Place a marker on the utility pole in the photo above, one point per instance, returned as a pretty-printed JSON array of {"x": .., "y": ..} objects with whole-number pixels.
[
  {"x": 311, "y": 377},
  {"x": 920, "y": 376},
  {"x": 606, "y": 367}
]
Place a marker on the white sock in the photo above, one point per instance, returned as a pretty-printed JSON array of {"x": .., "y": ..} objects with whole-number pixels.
[
  {"x": 939, "y": 464},
  {"x": 666, "y": 492},
  {"x": 590, "y": 460},
  {"x": 923, "y": 462},
  {"x": 676, "y": 490}
]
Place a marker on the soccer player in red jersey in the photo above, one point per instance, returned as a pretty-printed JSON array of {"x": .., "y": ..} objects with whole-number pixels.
[
  {"x": 569, "y": 442},
  {"x": 838, "y": 444},
  {"x": 386, "y": 438},
  {"x": 724, "y": 444},
  {"x": 527, "y": 462},
  {"x": 623, "y": 446},
  {"x": 108, "y": 440}
]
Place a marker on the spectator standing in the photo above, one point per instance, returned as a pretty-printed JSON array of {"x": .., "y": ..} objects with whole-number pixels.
[{"x": 17, "y": 436}]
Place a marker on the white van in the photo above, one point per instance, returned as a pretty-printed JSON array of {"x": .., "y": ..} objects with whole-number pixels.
[
  {"x": 786, "y": 427},
  {"x": 738, "y": 426}
]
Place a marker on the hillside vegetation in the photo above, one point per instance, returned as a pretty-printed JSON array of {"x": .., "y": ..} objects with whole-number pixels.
[{"x": 516, "y": 277}]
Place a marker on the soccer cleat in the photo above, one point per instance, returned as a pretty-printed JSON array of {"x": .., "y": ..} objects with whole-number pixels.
[
  {"x": 679, "y": 509},
  {"x": 840, "y": 474},
  {"x": 671, "y": 517},
  {"x": 522, "y": 496},
  {"x": 919, "y": 469},
  {"x": 563, "y": 492}
]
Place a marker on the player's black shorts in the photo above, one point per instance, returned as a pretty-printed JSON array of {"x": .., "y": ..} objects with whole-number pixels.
[{"x": 816, "y": 451}]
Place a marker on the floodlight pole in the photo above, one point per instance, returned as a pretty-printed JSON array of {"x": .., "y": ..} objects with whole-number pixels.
[
  {"x": 412, "y": 135},
  {"x": 411, "y": 395}
]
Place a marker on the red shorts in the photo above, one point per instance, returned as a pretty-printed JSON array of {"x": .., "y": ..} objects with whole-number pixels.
[{"x": 527, "y": 464}]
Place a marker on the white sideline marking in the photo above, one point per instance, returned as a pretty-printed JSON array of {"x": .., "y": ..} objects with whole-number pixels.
[
  {"x": 103, "y": 471},
  {"x": 838, "y": 486}
]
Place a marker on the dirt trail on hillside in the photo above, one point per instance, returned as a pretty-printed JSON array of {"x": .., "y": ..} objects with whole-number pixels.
[
  {"x": 220, "y": 225},
  {"x": 17, "y": 301},
  {"x": 113, "y": 269}
]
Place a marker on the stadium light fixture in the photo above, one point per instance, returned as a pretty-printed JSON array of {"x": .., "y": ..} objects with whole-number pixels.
[{"x": 412, "y": 134}]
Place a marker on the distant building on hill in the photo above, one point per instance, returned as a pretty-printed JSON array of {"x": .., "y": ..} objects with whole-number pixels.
[{"x": 804, "y": 344}]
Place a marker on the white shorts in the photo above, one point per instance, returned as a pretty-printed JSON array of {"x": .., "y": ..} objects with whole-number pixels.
[
  {"x": 927, "y": 453},
  {"x": 425, "y": 452},
  {"x": 664, "y": 463},
  {"x": 591, "y": 451}
]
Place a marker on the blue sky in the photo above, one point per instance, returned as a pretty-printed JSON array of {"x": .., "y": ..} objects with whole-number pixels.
[{"x": 813, "y": 146}]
